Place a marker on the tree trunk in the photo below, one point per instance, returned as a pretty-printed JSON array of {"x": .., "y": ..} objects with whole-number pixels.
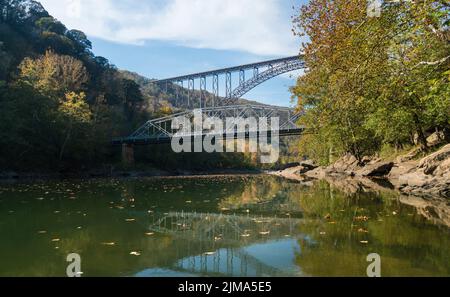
[
  {"x": 421, "y": 139},
  {"x": 66, "y": 140}
]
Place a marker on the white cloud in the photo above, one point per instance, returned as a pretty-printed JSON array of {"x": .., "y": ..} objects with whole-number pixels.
[{"x": 260, "y": 27}]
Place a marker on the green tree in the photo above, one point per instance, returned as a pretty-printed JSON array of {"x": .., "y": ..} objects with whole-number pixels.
[
  {"x": 50, "y": 24},
  {"x": 372, "y": 81}
]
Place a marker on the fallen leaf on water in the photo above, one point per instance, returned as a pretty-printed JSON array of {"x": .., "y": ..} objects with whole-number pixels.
[
  {"x": 361, "y": 230},
  {"x": 55, "y": 239},
  {"x": 149, "y": 233},
  {"x": 264, "y": 232},
  {"x": 130, "y": 220},
  {"x": 245, "y": 235},
  {"x": 364, "y": 241},
  {"x": 323, "y": 233},
  {"x": 42, "y": 232},
  {"x": 109, "y": 243},
  {"x": 394, "y": 213},
  {"x": 210, "y": 253},
  {"x": 135, "y": 253},
  {"x": 361, "y": 218}
]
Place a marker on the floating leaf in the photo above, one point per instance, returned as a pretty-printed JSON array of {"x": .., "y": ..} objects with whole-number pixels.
[
  {"x": 109, "y": 243},
  {"x": 361, "y": 218},
  {"x": 135, "y": 253}
]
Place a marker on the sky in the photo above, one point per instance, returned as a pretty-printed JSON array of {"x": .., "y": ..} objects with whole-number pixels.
[{"x": 166, "y": 38}]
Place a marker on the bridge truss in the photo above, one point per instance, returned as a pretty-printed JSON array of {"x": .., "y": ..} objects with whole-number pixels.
[{"x": 159, "y": 131}]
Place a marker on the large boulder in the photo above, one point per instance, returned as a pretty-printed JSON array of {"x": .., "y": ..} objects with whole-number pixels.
[
  {"x": 376, "y": 169},
  {"x": 433, "y": 161},
  {"x": 348, "y": 164},
  {"x": 431, "y": 175},
  {"x": 318, "y": 173}
]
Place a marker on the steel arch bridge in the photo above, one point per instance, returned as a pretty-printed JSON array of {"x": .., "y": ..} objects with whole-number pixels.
[
  {"x": 158, "y": 131},
  {"x": 261, "y": 72}
]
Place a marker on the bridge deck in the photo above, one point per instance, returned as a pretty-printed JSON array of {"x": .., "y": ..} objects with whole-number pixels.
[
  {"x": 166, "y": 139},
  {"x": 225, "y": 70}
]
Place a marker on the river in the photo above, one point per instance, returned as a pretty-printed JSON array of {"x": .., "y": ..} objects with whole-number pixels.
[{"x": 213, "y": 226}]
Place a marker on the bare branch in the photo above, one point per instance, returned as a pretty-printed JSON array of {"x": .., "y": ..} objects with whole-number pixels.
[{"x": 434, "y": 62}]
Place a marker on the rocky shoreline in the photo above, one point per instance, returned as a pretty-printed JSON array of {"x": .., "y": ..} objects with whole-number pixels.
[{"x": 429, "y": 176}]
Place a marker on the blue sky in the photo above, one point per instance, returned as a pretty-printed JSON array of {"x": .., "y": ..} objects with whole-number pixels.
[{"x": 165, "y": 38}]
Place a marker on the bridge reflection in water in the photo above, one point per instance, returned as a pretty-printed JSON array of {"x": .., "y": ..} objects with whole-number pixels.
[{"x": 222, "y": 244}]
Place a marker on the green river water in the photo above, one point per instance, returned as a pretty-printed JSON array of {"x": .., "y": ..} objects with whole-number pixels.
[{"x": 214, "y": 226}]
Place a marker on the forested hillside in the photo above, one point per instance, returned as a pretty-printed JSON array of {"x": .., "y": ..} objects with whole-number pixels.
[{"x": 61, "y": 104}]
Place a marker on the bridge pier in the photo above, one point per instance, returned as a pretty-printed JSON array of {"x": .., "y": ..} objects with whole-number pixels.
[{"x": 127, "y": 155}]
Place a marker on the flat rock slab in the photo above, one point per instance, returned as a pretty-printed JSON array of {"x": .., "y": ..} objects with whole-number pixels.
[{"x": 377, "y": 169}]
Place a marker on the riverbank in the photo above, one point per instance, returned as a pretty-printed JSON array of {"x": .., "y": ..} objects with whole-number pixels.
[
  {"x": 427, "y": 176},
  {"x": 9, "y": 176}
]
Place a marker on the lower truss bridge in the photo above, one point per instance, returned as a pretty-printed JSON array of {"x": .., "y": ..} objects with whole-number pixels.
[{"x": 161, "y": 131}]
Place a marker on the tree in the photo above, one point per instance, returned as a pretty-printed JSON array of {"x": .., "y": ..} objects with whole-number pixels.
[
  {"x": 82, "y": 43},
  {"x": 50, "y": 24},
  {"x": 54, "y": 74},
  {"x": 370, "y": 81},
  {"x": 74, "y": 114}
]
